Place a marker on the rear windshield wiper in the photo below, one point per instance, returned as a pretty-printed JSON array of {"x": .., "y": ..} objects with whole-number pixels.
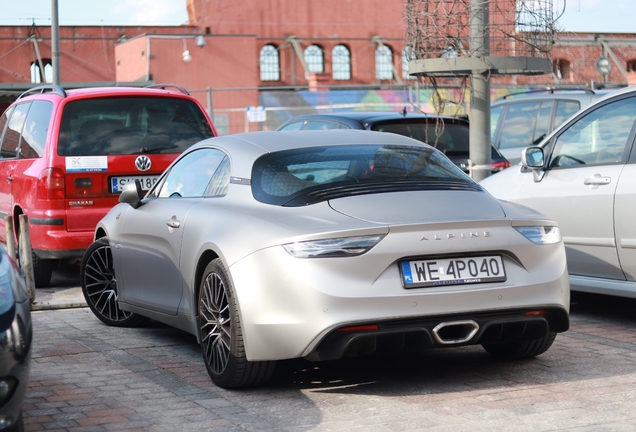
[{"x": 155, "y": 149}]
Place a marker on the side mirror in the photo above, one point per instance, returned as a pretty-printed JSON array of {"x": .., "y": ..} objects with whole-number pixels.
[
  {"x": 132, "y": 194},
  {"x": 533, "y": 158}
]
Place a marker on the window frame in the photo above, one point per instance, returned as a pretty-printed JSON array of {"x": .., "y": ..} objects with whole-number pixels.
[
  {"x": 341, "y": 63},
  {"x": 314, "y": 59},
  {"x": 384, "y": 63},
  {"x": 269, "y": 63}
]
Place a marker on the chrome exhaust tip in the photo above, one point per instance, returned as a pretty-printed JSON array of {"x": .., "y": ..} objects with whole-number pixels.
[{"x": 455, "y": 332}]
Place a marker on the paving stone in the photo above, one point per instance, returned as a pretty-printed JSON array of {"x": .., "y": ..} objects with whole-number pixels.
[{"x": 86, "y": 376}]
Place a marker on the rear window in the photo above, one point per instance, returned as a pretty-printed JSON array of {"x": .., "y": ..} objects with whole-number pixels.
[
  {"x": 130, "y": 125},
  {"x": 449, "y": 138},
  {"x": 306, "y": 176}
]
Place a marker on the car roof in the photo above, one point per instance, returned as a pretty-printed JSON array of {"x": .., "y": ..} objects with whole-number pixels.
[
  {"x": 245, "y": 148},
  {"x": 585, "y": 96},
  {"x": 365, "y": 117},
  {"x": 59, "y": 93}
]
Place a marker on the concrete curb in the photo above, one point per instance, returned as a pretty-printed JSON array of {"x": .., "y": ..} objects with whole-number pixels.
[{"x": 58, "y": 298}]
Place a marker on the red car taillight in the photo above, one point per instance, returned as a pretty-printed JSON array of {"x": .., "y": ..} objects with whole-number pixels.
[
  {"x": 51, "y": 184},
  {"x": 500, "y": 166}
]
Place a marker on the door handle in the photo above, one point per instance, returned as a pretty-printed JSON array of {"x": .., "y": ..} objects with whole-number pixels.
[
  {"x": 9, "y": 179},
  {"x": 597, "y": 180},
  {"x": 173, "y": 223}
]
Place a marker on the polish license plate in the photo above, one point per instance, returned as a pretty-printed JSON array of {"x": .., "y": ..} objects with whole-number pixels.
[
  {"x": 452, "y": 271},
  {"x": 117, "y": 184}
]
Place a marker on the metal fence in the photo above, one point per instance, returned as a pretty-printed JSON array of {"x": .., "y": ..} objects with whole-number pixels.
[{"x": 254, "y": 109}]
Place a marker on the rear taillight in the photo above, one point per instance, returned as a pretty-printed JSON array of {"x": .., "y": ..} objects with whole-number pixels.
[
  {"x": 51, "y": 184},
  {"x": 500, "y": 166}
]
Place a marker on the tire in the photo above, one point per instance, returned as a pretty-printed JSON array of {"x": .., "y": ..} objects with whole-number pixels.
[
  {"x": 520, "y": 350},
  {"x": 99, "y": 286},
  {"x": 18, "y": 426},
  {"x": 221, "y": 334},
  {"x": 42, "y": 270}
]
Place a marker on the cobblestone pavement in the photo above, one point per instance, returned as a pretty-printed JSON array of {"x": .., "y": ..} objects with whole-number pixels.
[{"x": 89, "y": 377}]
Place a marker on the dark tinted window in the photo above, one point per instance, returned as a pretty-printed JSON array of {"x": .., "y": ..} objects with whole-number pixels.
[
  {"x": 448, "y": 137},
  {"x": 35, "y": 129},
  {"x": 14, "y": 129},
  {"x": 304, "y": 176},
  {"x": 110, "y": 126}
]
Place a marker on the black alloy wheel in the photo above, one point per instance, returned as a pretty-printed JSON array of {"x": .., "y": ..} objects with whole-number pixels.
[
  {"x": 221, "y": 334},
  {"x": 99, "y": 286}
]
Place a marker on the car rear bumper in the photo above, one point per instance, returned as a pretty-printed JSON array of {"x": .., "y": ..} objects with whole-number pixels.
[
  {"x": 418, "y": 334},
  {"x": 54, "y": 242},
  {"x": 293, "y": 308}
]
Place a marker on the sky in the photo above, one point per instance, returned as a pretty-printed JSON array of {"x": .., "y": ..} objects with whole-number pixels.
[{"x": 614, "y": 16}]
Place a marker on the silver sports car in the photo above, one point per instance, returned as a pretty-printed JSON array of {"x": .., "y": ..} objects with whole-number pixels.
[{"x": 323, "y": 244}]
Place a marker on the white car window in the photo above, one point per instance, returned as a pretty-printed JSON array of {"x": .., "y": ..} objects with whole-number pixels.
[
  {"x": 599, "y": 137},
  {"x": 519, "y": 124}
]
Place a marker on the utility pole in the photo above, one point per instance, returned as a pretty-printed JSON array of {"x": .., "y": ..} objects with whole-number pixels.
[
  {"x": 480, "y": 153},
  {"x": 55, "y": 43},
  {"x": 523, "y": 31}
]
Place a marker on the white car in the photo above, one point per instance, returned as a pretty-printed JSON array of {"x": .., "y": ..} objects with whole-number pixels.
[
  {"x": 323, "y": 244},
  {"x": 583, "y": 176}
]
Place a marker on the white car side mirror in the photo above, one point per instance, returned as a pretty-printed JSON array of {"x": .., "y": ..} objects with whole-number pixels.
[{"x": 533, "y": 158}]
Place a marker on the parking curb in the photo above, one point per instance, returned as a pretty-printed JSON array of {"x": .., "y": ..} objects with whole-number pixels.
[{"x": 58, "y": 298}]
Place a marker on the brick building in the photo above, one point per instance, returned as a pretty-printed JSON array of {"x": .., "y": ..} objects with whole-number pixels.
[{"x": 277, "y": 54}]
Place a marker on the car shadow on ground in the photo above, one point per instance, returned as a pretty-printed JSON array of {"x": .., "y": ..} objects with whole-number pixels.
[
  {"x": 607, "y": 307},
  {"x": 65, "y": 274}
]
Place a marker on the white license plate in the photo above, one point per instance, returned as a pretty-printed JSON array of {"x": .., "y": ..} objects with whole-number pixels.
[
  {"x": 117, "y": 184},
  {"x": 452, "y": 271}
]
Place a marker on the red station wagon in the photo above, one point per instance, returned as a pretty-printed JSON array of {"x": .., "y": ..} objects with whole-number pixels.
[{"x": 67, "y": 154}]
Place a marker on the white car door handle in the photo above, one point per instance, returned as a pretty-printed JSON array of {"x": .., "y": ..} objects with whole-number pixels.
[
  {"x": 172, "y": 223},
  {"x": 597, "y": 180}
]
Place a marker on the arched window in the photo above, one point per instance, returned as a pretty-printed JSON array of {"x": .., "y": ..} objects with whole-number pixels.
[
  {"x": 314, "y": 59},
  {"x": 269, "y": 63},
  {"x": 631, "y": 65},
  {"x": 561, "y": 68},
  {"x": 341, "y": 62},
  {"x": 41, "y": 76},
  {"x": 383, "y": 63},
  {"x": 407, "y": 55}
]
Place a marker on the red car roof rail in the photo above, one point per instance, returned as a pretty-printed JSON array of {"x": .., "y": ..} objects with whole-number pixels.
[
  {"x": 163, "y": 87},
  {"x": 52, "y": 88}
]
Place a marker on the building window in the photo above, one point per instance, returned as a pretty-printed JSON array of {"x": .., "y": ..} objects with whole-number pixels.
[
  {"x": 341, "y": 62},
  {"x": 561, "y": 68},
  {"x": 41, "y": 76},
  {"x": 383, "y": 63},
  {"x": 314, "y": 59},
  {"x": 408, "y": 54},
  {"x": 631, "y": 65},
  {"x": 269, "y": 63}
]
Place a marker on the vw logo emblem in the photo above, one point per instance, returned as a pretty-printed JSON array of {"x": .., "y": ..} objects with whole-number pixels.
[{"x": 143, "y": 163}]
